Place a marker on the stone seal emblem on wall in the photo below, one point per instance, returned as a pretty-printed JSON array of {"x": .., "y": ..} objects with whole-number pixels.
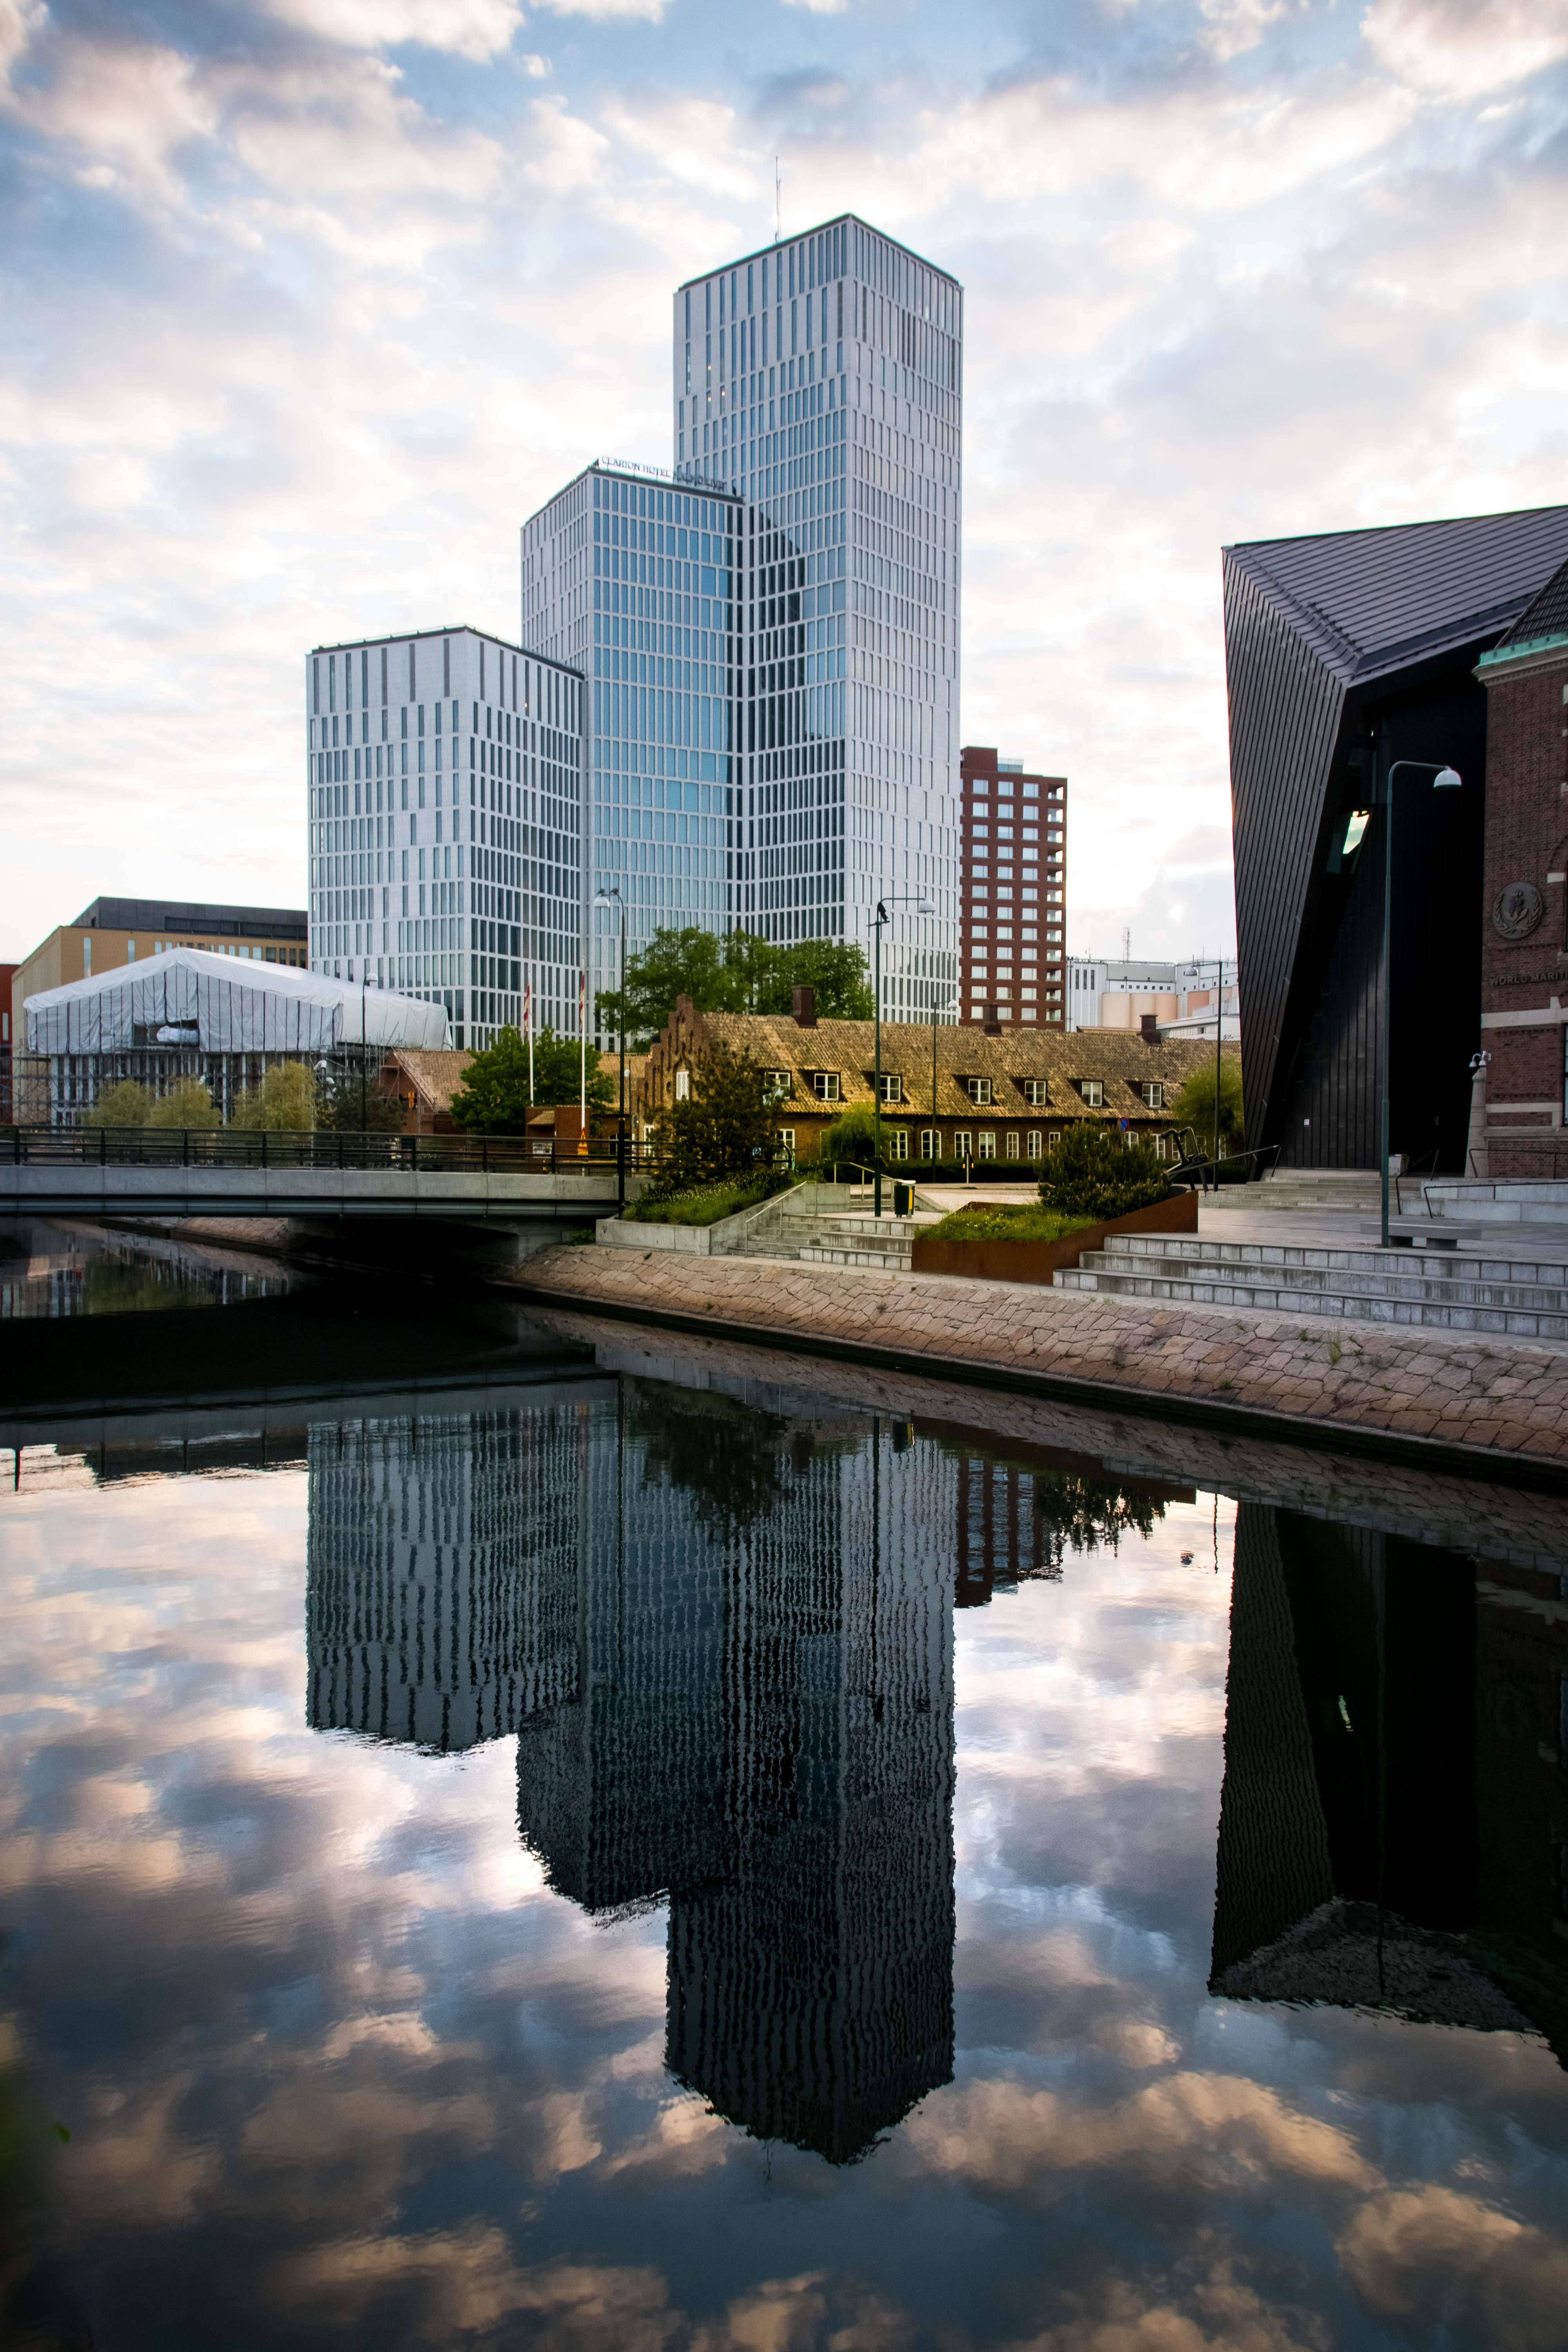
[{"x": 1518, "y": 911}]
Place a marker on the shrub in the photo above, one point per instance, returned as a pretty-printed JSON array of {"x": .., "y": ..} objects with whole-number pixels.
[
  {"x": 724, "y": 1129},
  {"x": 706, "y": 1205},
  {"x": 1093, "y": 1174},
  {"x": 990, "y": 1222},
  {"x": 851, "y": 1136},
  {"x": 126, "y": 1105},
  {"x": 1193, "y": 1106},
  {"x": 286, "y": 1098},
  {"x": 187, "y": 1104},
  {"x": 348, "y": 1101}
]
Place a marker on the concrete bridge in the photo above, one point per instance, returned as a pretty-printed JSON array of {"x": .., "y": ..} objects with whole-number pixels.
[{"x": 238, "y": 1172}]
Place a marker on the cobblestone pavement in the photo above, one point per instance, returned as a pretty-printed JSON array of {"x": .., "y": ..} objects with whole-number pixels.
[{"x": 1489, "y": 1392}]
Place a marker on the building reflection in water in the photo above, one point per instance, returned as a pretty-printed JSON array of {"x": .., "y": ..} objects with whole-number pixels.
[
  {"x": 761, "y": 1732},
  {"x": 1395, "y": 1812},
  {"x": 724, "y": 1638},
  {"x": 723, "y": 1635},
  {"x": 443, "y": 1569}
]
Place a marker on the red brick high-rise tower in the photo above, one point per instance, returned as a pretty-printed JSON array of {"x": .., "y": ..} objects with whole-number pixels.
[{"x": 1013, "y": 851}]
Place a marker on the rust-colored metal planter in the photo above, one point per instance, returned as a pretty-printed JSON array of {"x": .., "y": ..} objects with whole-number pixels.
[{"x": 998, "y": 1261}]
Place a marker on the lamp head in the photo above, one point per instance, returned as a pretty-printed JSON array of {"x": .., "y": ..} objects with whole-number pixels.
[
  {"x": 925, "y": 907},
  {"x": 1446, "y": 780}
]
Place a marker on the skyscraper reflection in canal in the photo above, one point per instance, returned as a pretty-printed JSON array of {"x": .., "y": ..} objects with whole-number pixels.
[{"x": 724, "y": 1639}]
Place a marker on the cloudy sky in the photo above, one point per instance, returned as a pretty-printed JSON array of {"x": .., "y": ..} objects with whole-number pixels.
[{"x": 309, "y": 302}]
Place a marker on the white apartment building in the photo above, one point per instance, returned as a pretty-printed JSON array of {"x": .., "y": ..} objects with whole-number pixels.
[
  {"x": 445, "y": 802},
  {"x": 1117, "y": 994}
]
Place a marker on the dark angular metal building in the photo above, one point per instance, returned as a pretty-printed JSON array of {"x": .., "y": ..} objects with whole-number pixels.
[{"x": 1345, "y": 653}]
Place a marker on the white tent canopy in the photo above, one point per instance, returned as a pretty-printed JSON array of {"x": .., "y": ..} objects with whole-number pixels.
[{"x": 224, "y": 1006}]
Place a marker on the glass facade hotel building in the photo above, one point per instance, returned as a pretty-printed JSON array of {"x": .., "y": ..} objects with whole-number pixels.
[
  {"x": 446, "y": 821},
  {"x": 632, "y": 579},
  {"x": 822, "y": 380},
  {"x": 769, "y": 634}
]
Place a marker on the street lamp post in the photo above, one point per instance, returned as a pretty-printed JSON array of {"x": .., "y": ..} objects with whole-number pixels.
[
  {"x": 948, "y": 1007},
  {"x": 1444, "y": 779},
  {"x": 922, "y": 906},
  {"x": 604, "y": 898}
]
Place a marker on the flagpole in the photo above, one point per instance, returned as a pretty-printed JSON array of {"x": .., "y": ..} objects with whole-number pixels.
[
  {"x": 528, "y": 1033},
  {"x": 583, "y": 1050}
]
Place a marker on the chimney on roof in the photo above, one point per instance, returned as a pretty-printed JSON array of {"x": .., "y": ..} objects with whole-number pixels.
[
  {"x": 1149, "y": 1029},
  {"x": 805, "y": 1008},
  {"x": 991, "y": 1026}
]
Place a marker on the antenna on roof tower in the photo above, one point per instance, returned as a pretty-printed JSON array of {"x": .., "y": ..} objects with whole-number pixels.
[{"x": 1126, "y": 947}]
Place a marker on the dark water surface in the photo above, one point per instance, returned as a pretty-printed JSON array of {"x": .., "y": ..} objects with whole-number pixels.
[{"x": 533, "y": 1844}]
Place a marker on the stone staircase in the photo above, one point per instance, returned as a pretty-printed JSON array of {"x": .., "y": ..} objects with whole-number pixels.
[
  {"x": 821, "y": 1236},
  {"x": 1295, "y": 1190},
  {"x": 1444, "y": 1290},
  {"x": 882, "y": 1242}
]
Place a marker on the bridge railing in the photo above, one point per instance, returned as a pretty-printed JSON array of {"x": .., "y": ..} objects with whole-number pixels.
[{"x": 237, "y": 1147}]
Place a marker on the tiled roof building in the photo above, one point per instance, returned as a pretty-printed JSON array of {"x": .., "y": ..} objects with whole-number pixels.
[{"x": 1010, "y": 1094}]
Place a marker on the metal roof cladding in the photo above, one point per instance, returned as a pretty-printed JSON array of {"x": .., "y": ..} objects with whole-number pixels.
[
  {"x": 1370, "y": 601},
  {"x": 1547, "y": 616}
]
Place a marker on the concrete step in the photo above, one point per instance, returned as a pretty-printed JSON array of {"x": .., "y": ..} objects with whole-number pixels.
[
  {"x": 1270, "y": 1260},
  {"x": 1341, "y": 1292},
  {"x": 893, "y": 1257}
]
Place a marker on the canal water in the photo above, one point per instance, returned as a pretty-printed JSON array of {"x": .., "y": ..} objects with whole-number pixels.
[{"x": 510, "y": 1839}]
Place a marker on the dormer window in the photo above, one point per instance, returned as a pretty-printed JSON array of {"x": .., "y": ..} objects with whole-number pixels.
[
  {"x": 1037, "y": 1092},
  {"x": 1154, "y": 1092},
  {"x": 979, "y": 1091},
  {"x": 825, "y": 1086},
  {"x": 778, "y": 1083},
  {"x": 892, "y": 1086},
  {"x": 1093, "y": 1092}
]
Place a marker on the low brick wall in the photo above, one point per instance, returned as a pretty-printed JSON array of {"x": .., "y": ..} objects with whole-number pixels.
[
  {"x": 1469, "y": 1400},
  {"x": 993, "y": 1260}
]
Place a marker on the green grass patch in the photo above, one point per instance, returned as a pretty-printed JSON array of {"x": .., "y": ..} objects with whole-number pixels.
[
  {"x": 989, "y": 1221},
  {"x": 704, "y": 1205}
]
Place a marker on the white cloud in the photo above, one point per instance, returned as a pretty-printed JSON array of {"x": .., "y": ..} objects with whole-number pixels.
[
  {"x": 1464, "y": 48},
  {"x": 609, "y": 10},
  {"x": 1234, "y": 26},
  {"x": 478, "y": 29}
]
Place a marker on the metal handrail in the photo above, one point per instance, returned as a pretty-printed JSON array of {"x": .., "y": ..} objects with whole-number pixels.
[{"x": 228, "y": 1147}]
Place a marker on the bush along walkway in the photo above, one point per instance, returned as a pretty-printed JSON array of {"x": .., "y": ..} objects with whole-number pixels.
[{"x": 1467, "y": 1402}]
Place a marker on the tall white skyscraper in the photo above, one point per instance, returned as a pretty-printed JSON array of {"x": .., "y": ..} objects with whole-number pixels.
[
  {"x": 445, "y": 808},
  {"x": 821, "y": 380},
  {"x": 770, "y": 636}
]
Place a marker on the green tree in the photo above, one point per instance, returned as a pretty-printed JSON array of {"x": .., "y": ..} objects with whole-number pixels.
[
  {"x": 687, "y": 962},
  {"x": 836, "y": 973},
  {"x": 737, "y": 973},
  {"x": 1094, "y": 1172},
  {"x": 286, "y": 1098},
  {"x": 349, "y": 1102},
  {"x": 126, "y": 1105},
  {"x": 188, "y": 1104},
  {"x": 1193, "y": 1106},
  {"x": 724, "y": 1127},
  {"x": 852, "y": 1137},
  {"x": 494, "y": 1097}
]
